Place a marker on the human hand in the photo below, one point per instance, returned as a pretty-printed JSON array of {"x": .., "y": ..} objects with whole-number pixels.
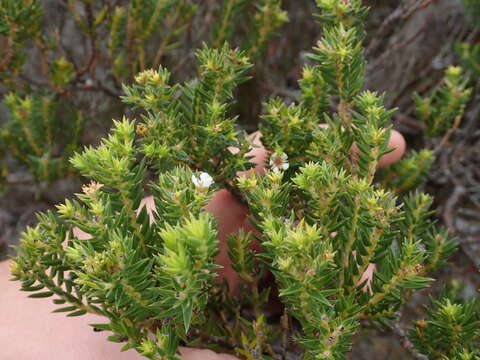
[
  {"x": 232, "y": 215},
  {"x": 28, "y": 330}
]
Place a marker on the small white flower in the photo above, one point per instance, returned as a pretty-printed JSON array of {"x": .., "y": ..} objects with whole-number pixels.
[
  {"x": 279, "y": 162},
  {"x": 203, "y": 181}
]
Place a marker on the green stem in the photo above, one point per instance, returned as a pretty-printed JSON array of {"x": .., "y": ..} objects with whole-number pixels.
[
  {"x": 351, "y": 240},
  {"x": 133, "y": 220},
  {"x": 44, "y": 279}
]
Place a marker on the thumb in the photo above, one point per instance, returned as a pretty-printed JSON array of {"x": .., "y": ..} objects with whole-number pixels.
[
  {"x": 260, "y": 154},
  {"x": 199, "y": 354}
]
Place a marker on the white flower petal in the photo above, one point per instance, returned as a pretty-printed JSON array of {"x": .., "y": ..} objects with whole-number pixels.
[
  {"x": 278, "y": 162},
  {"x": 206, "y": 179},
  {"x": 203, "y": 181},
  {"x": 195, "y": 181}
]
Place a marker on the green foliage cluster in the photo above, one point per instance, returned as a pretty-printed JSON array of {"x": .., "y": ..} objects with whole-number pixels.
[
  {"x": 451, "y": 327},
  {"x": 444, "y": 108},
  {"x": 190, "y": 124},
  {"x": 20, "y": 21},
  {"x": 451, "y": 330},
  {"x": 121, "y": 39},
  {"x": 343, "y": 249},
  {"x": 470, "y": 52},
  {"x": 440, "y": 113},
  {"x": 34, "y": 135}
]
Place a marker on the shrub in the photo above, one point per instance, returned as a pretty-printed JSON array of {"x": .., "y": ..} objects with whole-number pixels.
[
  {"x": 47, "y": 98},
  {"x": 449, "y": 329},
  {"x": 323, "y": 222}
]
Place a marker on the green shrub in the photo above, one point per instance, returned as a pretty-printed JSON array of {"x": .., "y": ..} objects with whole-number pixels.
[
  {"x": 322, "y": 220},
  {"x": 122, "y": 40},
  {"x": 450, "y": 330}
]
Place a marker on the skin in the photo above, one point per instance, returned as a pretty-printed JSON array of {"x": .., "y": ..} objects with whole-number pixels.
[{"x": 28, "y": 329}]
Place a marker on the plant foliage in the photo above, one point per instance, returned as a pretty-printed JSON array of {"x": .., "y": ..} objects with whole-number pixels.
[
  {"x": 343, "y": 249},
  {"x": 120, "y": 39},
  {"x": 450, "y": 330}
]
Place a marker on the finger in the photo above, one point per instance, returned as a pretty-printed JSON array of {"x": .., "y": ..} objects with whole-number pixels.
[
  {"x": 200, "y": 354},
  {"x": 230, "y": 214},
  {"x": 46, "y": 335},
  {"x": 396, "y": 142},
  {"x": 259, "y": 155}
]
